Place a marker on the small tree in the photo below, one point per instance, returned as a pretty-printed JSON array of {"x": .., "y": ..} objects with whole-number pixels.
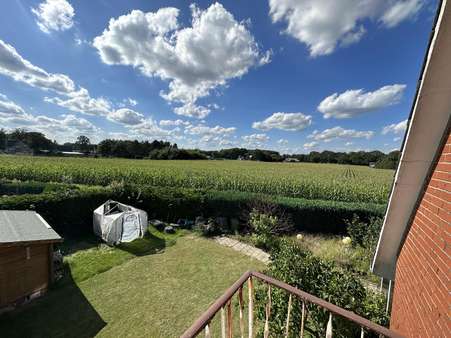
[{"x": 83, "y": 144}]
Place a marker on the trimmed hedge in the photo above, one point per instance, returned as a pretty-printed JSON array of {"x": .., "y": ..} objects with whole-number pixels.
[
  {"x": 31, "y": 187},
  {"x": 70, "y": 211}
]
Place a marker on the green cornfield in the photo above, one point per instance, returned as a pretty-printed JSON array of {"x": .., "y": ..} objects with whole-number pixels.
[{"x": 305, "y": 180}]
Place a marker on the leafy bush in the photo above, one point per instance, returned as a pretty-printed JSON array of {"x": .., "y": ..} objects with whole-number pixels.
[
  {"x": 364, "y": 233},
  {"x": 300, "y": 268},
  {"x": 69, "y": 209}
]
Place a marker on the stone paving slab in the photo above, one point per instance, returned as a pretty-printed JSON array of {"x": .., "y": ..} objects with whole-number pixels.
[{"x": 244, "y": 248}]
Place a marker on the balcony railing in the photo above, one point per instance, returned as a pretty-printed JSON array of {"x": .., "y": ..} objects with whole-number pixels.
[{"x": 224, "y": 305}]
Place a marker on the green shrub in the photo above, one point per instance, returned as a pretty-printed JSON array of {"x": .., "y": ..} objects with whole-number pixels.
[
  {"x": 69, "y": 209},
  {"x": 301, "y": 269},
  {"x": 364, "y": 232}
]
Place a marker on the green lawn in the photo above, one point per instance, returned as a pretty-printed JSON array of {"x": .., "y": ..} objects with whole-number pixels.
[{"x": 155, "y": 292}]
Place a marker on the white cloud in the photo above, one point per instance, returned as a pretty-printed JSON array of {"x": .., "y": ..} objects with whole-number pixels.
[
  {"x": 254, "y": 140},
  {"x": 310, "y": 145},
  {"x": 400, "y": 11},
  {"x": 150, "y": 129},
  {"x": 192, "y": 110},
  {"x": 195, "y": 60},
  {"x": 328, "y": 135},
  {"x": 354, "y": 102},
  {"x": 324, "y": 25},
  {"x": 64, "y": 129},
  {"x": 204, "y": 130},
  {"x": 56, "y": 15},
  {"x": 80, "y": 101},
  {"x": 8, "y": 108},
  {"x": 13, "y": 65},
  {"x": 126, "y": 116},
  {"x": 395, "y": 128},
  {"x": 169, "y": 123},
  {"x": 284, "y": 121},
  {"x": 282, "y": 142}
]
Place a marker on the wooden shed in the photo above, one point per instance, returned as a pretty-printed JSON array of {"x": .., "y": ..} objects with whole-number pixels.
[{"x": 26, "y": 256}]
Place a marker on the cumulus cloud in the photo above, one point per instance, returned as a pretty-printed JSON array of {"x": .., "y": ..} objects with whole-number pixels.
[
  {"x": 80, "y": 101},
  {"x": 192, "y": 110},
  {"x": 9, "y": 108},
  {"x": 395, "y": 128},
  {"x": 149, "y": 128},
  {"x": 76, "y": 99},
  {"x": 254, "y": 140},
  {"x": 284, "y": 121},
  {"x": 328, "y": 135},
  {"x": 54, "y": 15},
  {"x": 310, "y": 145},
  {"x": 204, "y": 130},
  {"x": 126, "y": 116},
  {"x": 400, "y": 11},
  {"x": 15, "y": 66},
  {"x": 354, "y": 102},
  {"x": 324, "y": 25},
  {"x": 282, "y": 142},
  {"x": 63, "y": 129},
  {"x": 169, "y": 123},
  {"x": 195, "y": 60}
]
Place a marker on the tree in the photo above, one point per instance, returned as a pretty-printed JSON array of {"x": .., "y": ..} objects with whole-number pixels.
[
  {"x": 83, "y": 144},
  {"x": 3, "y": 139}
]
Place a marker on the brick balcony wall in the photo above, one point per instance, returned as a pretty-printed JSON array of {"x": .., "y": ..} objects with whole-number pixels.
[{"x": 422, "y": 292}]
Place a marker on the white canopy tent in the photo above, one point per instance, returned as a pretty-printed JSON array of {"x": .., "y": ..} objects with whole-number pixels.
[{"x": 115, "y": 222}]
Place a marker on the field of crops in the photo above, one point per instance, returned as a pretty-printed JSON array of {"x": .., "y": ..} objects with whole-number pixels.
[{"x": 307, "y": 180}]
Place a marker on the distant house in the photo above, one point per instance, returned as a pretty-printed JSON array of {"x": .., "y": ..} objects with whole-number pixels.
[
  {"x": 372, "y": 164},
  {"x": 414, "y": 249},
  {"x": 291, "y": 159},
  {"x": 18, "y": 147},
  {"x": 72, "y": 153},
  {"x": 26, "y": 256}
]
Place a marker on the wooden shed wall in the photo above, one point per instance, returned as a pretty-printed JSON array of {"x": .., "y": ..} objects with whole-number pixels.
[{"x": 23, "y": 274}]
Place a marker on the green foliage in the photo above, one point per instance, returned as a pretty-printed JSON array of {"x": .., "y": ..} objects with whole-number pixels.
[
  {"x": 69, "y": 208},
  {"x": 364, "y": 233},
  {"x": 298, "y": 180},
  {"x": 389, "y": 161},
  {"x": 263, "y": 226},
  {"x": 301, "y": 269}
]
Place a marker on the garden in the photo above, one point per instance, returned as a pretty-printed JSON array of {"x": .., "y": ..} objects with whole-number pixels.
[{"x": 164, "y": 281}]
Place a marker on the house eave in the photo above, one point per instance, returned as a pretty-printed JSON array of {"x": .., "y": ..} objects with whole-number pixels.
[{"x": 429, "y": 122}]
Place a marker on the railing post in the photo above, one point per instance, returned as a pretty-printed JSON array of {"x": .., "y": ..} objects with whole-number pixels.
[
  {"x": 241, "y": 305},
  {"x": 207, "y": 331},
  {"x": 329, "y": 326},
  {"x": 250, "y": 284},
  {"x": 268, "y": 313},
  {"x": 229, "y": 320},
  {"x": 302, "y": 319},
  {"x": 287, "y": 328},
  {"x": 223, "y": 324}
]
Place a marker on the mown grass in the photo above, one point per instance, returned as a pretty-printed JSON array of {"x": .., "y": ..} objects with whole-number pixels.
[
  {"x": 89, "y": 256},
  {"x": 158, "y": 294}
]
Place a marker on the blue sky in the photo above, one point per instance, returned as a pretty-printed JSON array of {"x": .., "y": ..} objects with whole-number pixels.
[{"x": 288, "y": 75}]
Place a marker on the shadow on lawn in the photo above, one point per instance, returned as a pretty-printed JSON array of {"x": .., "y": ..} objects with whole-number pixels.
[
  {"x": 149, "y": 244},
  {"x": 65, "y": 311},
  {"x": 62, "y": 312}
]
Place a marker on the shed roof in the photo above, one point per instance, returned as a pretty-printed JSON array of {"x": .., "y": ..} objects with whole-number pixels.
[{"x": 19, "y": 226}]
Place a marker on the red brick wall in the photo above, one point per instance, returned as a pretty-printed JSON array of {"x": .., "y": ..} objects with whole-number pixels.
[{"x": 422, "y": 294}]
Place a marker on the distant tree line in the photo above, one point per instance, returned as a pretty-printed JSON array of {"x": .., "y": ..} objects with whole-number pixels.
[{"x": 163, "y": 150}]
